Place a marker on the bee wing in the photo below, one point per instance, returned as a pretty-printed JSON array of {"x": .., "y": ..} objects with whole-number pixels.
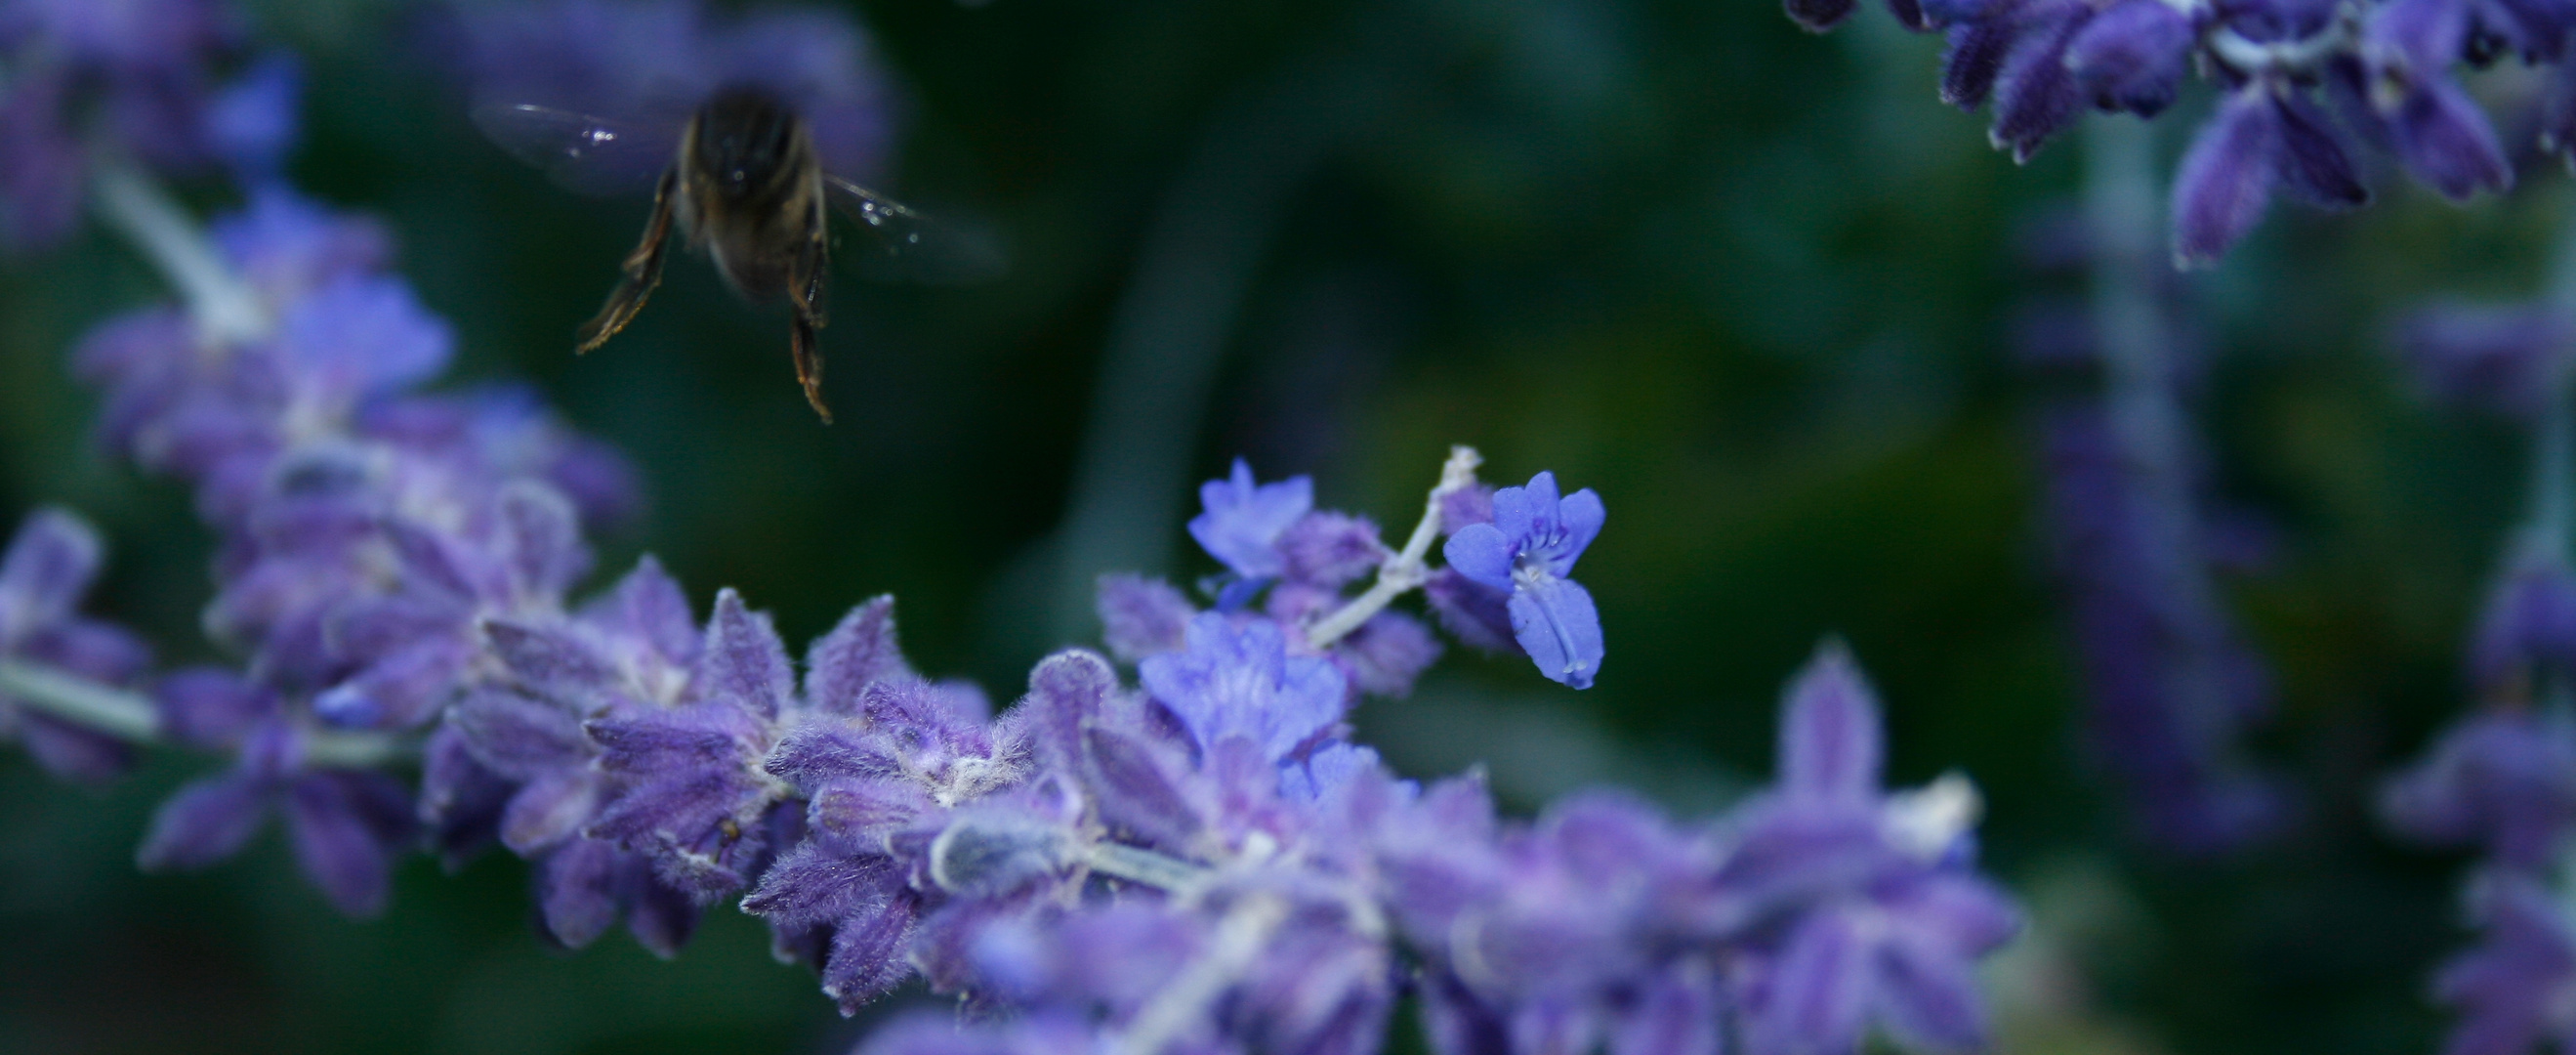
[
  {"x": 581, "y": 153},
  {"x": 904, "y": 245}
]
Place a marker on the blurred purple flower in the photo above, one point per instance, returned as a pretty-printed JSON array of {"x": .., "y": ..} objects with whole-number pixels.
[
  {"x": 1230, "y": 682},
  {"x": 2529, "y": 626},
  {"x": 1244, "y": 522},
  {"x": 347, "y": 826},
  {"x": 48, "y": 567},
  {"x": 132, "y": 80},
  {"x": 1140, "y": 617},
  {"x": 2512, "y": 991},
  {"x": 2503, "y": 781},
  {"x": 2505, "y": 358},
  {"x": 2172, "y": 683},
  {"x": 2133, "y": 56}
]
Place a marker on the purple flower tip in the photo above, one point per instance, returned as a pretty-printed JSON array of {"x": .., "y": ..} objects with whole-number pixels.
[{"x": 1244, "y": 521}]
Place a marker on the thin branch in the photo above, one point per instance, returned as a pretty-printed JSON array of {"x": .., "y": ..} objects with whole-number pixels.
[
  {"x": 1407, "y": 568},
  {"x": 226, "y": 310}
]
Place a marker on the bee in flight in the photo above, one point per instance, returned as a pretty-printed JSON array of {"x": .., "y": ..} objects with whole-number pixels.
[{"x": 745, "y": 183}]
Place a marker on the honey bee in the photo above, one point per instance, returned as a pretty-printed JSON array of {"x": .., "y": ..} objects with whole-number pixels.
[{"x": 743, "y": 182}]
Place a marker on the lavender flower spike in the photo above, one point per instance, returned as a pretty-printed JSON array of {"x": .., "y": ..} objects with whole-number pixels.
[{"x": 1529, "y": 550}]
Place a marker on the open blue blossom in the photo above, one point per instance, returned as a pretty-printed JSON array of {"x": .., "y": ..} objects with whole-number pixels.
[
  {"x": 49, "y": 566},
  {"x": 1529, "y": 549},
  {"x": 1244, "y": 521}
]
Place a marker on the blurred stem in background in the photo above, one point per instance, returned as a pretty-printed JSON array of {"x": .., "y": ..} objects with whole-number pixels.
[{"x": 1179, "y": 313}]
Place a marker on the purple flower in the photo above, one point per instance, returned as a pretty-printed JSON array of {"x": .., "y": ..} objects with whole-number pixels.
[
  {"x": 2036, "y": 93},
  {"x": 1529, "y": 550},
  {"x": 2133, "y": 56},
  {"x": 1243, "y": 522},
  {"x": 695, "y": 799},
  {"x": 1386, "y": 654},
  {"x": 1880, "y": 924},
  {"x": 1241, "y": 683},
  {"x": 2508, "y": 358},
  {"x": 1140, "y": 617},
  {"x": 912, "y": 839},
  {"x": 135, "y": 79},
  {"x": 347, "y": 826},
  {"x": 2503, "y": 781},
  {"x": 1330, "y": 550},
  {"x": 49, "y": 565},
  {"x": 1831, "y": 905},
  {"x": 2529, "y": 622},
  {"x": 2514, "y": 989},
  {"x": 2445, "y": 141},
  {"x": 2171, "y": 681}
]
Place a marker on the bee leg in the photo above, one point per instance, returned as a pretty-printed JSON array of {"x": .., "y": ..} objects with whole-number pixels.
[
  {"x": 805, "y": 304},
  {"x": 809, "y": 363},
  {"x": 643, "y": 271}
]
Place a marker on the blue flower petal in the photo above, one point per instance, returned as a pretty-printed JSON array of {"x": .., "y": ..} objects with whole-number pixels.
[
  {"x": 1482, "y": 552},
  {"x": 1555, "y": 622}
]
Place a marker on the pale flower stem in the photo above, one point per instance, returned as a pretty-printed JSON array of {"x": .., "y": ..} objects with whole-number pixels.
[
  {"x": 1406, "y": 569},
  {"x": 1239, "y": 939},
  {"x": 1144, "y": 867},
  {"x": 133, "y": 717},
  {"x": 225, "y": 309},
  {"x": 128, "y": 716}
]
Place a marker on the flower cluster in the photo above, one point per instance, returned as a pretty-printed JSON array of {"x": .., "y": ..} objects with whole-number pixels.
[
  {"x": 367, "y": 531},
  {"x": 2305, "y": 84},
  {"x": 1201, "y": 874},
  {"x": 2502, "y": 780}
]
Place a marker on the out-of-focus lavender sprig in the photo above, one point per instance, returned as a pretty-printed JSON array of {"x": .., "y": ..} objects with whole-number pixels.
[
  {"x": 2173, "y": 685},
  {"x": 371, "y": 536},
  {"x": 2303, "y": 86},
  {"x": 2501, "y": 781},
  {"x": 163, "y": 83}
]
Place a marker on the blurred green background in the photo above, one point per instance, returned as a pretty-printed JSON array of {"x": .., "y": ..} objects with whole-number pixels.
[{"x": 1750, "y": 284}]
